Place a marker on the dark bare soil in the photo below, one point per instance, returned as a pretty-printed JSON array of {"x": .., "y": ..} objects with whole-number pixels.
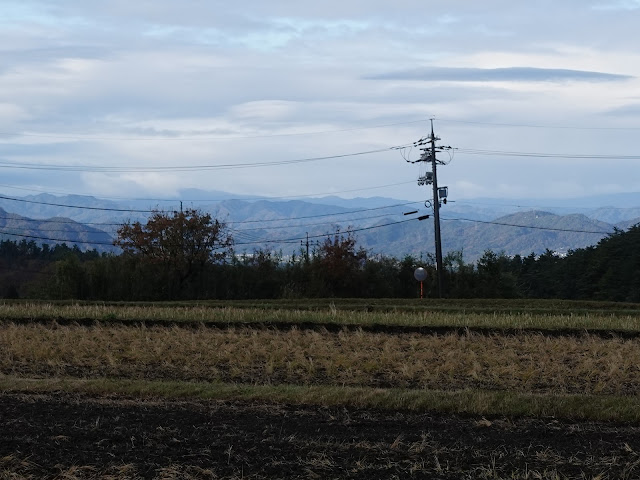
[{"x": 71, "y": 436}]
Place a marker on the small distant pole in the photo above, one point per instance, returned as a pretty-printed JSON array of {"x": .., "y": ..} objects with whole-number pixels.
[{"x": 307, "y": 245}]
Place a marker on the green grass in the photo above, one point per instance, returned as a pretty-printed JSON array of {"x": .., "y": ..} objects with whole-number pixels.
[
  {"x": 465, "y": 315},
  {"x": 512, "y": 306},
  {"x": 470, "y": 402}
]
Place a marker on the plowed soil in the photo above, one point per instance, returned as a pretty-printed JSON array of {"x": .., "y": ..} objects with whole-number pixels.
[{"x": 71, "y": 436}]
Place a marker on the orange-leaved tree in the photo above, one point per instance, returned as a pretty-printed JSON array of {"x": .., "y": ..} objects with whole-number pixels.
[
  {"x": 183, "y": 241},
  {"x": 341, "y": 263}
]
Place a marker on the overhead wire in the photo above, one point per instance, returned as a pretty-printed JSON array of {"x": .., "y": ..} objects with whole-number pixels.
[
  {"x": 347, "y": 231},
  {"x": 61, "y": 240},
  {"x": 59, "y": 220},
  {"x": 81, "y": 207},
  {"x": 535, "y": 227},
  {"x": 185, "y": 168},
  {"x": 204, "y": 137},
  {"x": 573, "y": 156},
  {"x": 254, "y": 241},
  {"x": 312, "y": 159},
  {"x": 108, "y": 209},
  {"x": 250, "y": 198},
  {"x": 529, "y": 125},
  {"x": 320, "y": 215},
  {"x": 302, "y": 225},
  {"x": 550, "y": 207},
  {"x": 288, "y": 240}
]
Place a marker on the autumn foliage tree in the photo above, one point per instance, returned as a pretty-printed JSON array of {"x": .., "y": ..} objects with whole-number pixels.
[
  {"x": 340, "y": 264},
  {"x": 183, "y": 242}
]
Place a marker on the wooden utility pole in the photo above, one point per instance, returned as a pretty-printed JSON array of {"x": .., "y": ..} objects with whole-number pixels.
[{"x": 436, "y": 214}]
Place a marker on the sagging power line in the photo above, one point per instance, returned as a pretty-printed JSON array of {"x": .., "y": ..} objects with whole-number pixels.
[
  {"x": 186, "y": 168},
  {"x": 533, "y": 227},
  {"x": 203, "y": 136}
]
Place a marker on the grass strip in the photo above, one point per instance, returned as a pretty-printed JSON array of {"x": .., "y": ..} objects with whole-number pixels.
[
  {"x": 465, "y": 402},
  {"x": 330, "y": 315},
  {"x": 479, "y": 305}
]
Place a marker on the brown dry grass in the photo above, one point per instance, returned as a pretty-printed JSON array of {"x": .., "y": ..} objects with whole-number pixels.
[{"x": 523, "y": 363}]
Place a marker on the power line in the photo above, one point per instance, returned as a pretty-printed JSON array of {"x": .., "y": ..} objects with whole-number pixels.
[
  {"x": 62, "y": 240},
  {"x": 186, "y": 168},
  {"x": 213, "y": 200},
  {"x": 59, "y": 220},
  {"x": 81, "y": 230},
  {"x": 459, "y": 202},
  {"x": 351, "y": 230},
  {"x": 287, "y": 240},
  {"x": 322, "y": 214},
  {"x": 571, "y": 156},
  {"x": 103, "y": 209},
  {"x": 245, "y": 231},
  {"x": 234, "y": 223},
  {"x": 229, "y": 166},
  {"x": 204, "y": 137},
  {"x": 279, "y": 227},
  {"x": 528, "y": 125},
  {"x": 530, "y": 226}
]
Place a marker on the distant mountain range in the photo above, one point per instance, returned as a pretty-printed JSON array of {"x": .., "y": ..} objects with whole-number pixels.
[
  {"x": 379, "y": 224},
  {"x": 53, "y": 230}
]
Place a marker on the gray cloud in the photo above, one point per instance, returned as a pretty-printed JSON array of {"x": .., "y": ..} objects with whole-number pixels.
[
  {"x": 618, "y": 5},
  {"x": 511, "y": 74},
  {"x": 117, "y": 69},
  {"x": 631, "y": 110}
]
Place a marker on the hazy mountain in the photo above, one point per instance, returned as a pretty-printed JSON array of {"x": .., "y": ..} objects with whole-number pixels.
[
  {"x": 45, "y": 206},
  {"x": 53, "y": 230},
  {"x": 625, "y": 225},
  {"x": 615, "y": 215},
  {"x": 611, "y": 208},
  {"x": 559, "y": 233},
  {"x": 473, "y": 238},
  {"x": 472, "y": 226},
  {"x": 607, "y": 208}
]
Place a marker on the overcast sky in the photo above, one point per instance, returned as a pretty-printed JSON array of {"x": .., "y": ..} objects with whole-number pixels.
[{"x": 148, "y": 84}]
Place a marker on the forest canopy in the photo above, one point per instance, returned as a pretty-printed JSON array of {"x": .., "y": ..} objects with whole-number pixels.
[{"x": 188, "y": 255}]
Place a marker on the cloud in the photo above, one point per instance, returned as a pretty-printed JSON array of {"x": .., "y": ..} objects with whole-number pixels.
[
  {"x": 630, "y": 110},
  {"x": 618, "y": 5},
  {"x": 115, "y": 83},
  {"x": 509, "y": 74}
]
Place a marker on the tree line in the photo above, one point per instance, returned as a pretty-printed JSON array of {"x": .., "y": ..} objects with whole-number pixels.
[{"x": 189, "y": 255}]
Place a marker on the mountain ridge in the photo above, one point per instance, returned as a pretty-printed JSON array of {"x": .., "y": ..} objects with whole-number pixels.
[{"x": 282, "y": 224}]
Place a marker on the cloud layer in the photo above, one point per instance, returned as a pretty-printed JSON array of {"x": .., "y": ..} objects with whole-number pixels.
[
  {"x": 510, "y": 74},
  {"x": 162, "y": 84}
]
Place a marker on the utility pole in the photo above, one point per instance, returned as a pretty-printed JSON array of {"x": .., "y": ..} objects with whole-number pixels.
[
  {"x": 439, "y": 195},
  {"x": 436, "y": 214},
  {"x": 307, "y": 245}
]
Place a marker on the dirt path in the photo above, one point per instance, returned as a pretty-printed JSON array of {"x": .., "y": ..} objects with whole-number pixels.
[{"x": 70, "y": 436}]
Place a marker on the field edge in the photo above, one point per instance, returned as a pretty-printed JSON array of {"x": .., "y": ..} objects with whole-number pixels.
[{"x": 609, "y": 408}]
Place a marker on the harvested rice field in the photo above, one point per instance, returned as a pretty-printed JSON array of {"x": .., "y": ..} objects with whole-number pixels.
[{"x": 417, "y": 390}]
